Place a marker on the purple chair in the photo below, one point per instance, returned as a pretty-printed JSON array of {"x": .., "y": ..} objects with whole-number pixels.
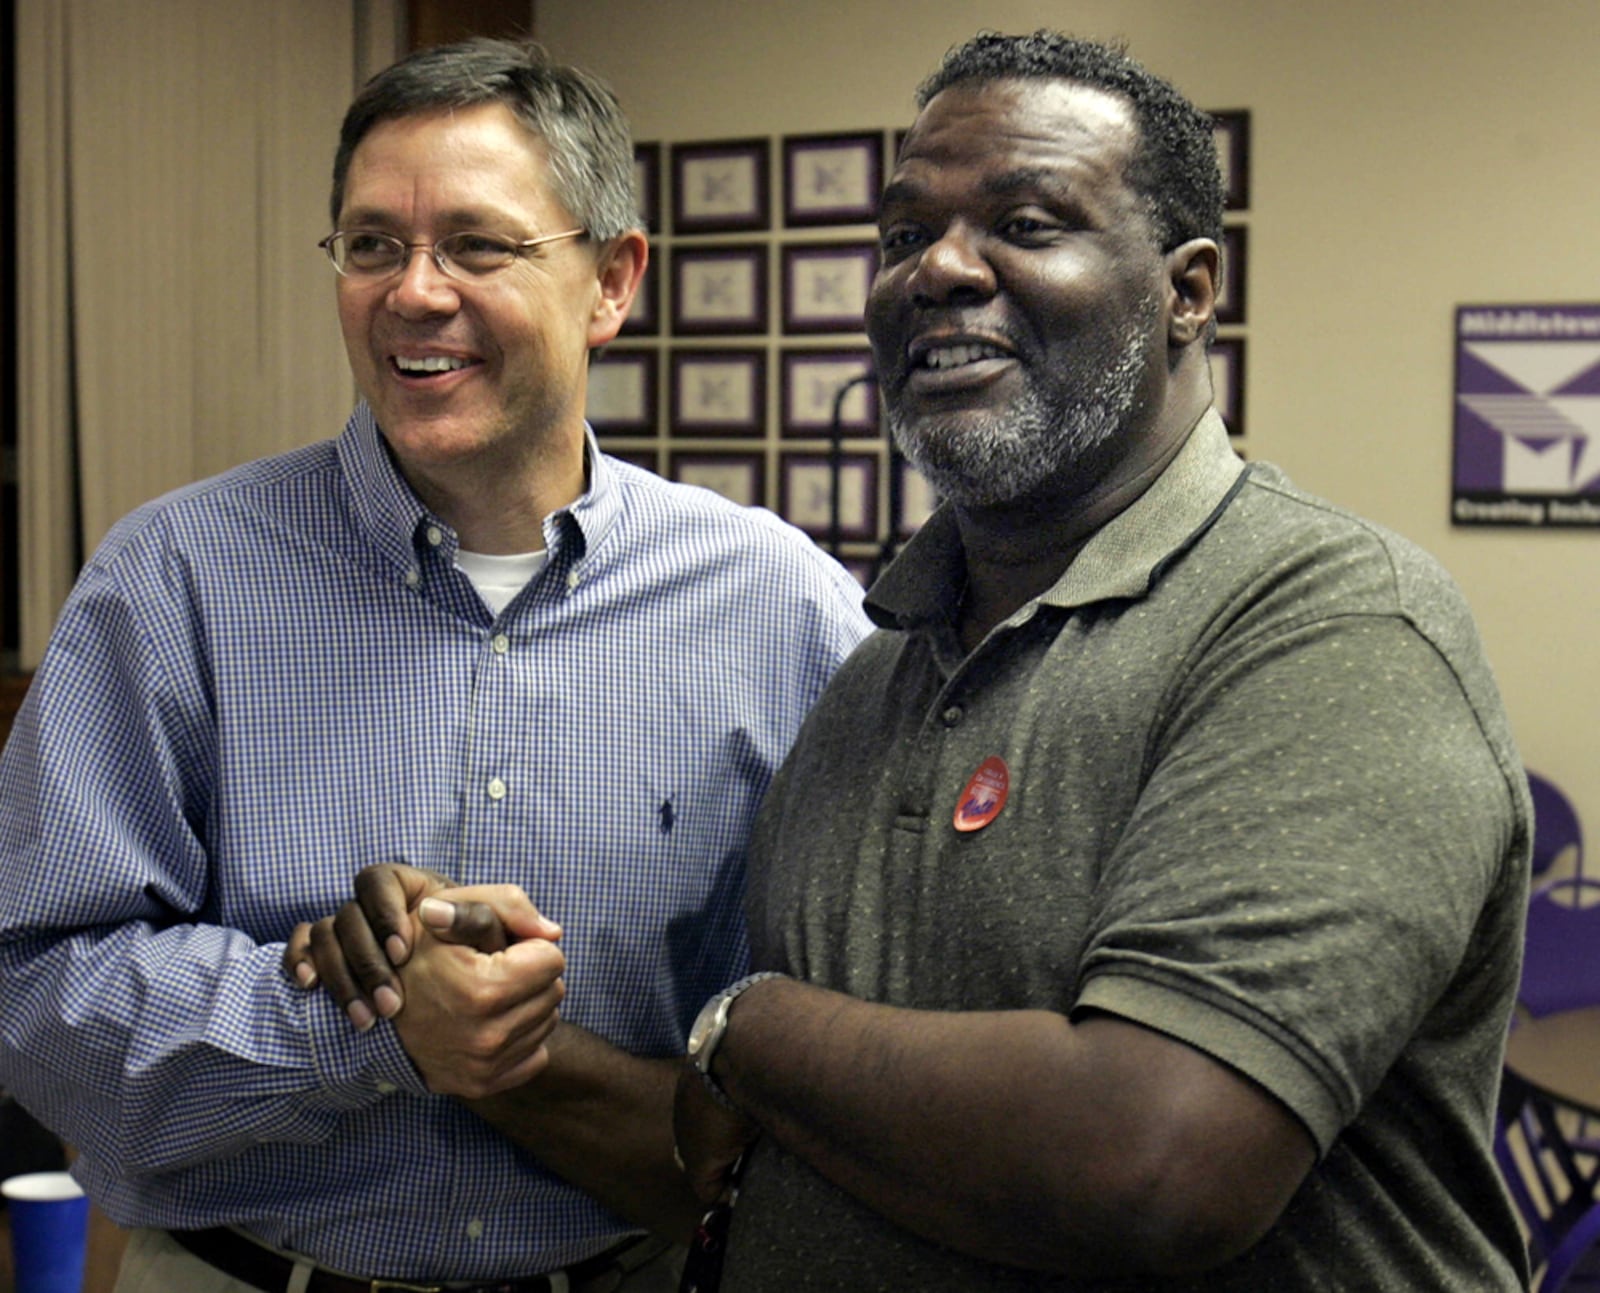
[
  {"x": 1555, "y": 825},
  {"x": 1555, "y": 1180},
  {"x": 1561, "y": 949},
  {"x": 1563, "y": 1220}
]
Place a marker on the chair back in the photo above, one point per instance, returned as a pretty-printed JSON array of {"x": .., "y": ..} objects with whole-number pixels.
[
  {"x": 1561, "y": 953},
  {"x": 1546, "y": 1152},
  {"x": 1551, "y": 1177},
  {"x": 1555, "y": 827}
]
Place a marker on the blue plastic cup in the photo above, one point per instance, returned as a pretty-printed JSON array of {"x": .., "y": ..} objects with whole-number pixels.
[{"x": 49, "y": 1231}]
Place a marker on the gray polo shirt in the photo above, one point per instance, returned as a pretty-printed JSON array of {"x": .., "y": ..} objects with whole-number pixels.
[{"x": 1261, "y": 797}]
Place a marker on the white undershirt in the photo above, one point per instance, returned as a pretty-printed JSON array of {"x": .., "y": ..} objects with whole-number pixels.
[{"x": 499, "y": 579}]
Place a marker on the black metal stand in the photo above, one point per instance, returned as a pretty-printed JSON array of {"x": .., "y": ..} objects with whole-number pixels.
[{"x": 888, "y": 536}]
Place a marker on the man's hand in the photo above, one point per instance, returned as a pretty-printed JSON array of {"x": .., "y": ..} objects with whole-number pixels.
[
  {"x": 475, "y": 1023},
  {"x": 478, "y": 965},
  {"x": 354, "y": 952},
  {"x": 710, "y": 1139}
]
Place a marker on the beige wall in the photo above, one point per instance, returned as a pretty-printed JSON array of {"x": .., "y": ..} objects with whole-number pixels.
[{"x": 1406, "y": 159}]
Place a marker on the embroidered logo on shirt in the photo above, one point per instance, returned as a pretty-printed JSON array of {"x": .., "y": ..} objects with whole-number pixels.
[{"x": 985, "y": 795}]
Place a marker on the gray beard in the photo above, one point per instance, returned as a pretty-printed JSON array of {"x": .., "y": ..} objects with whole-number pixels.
[{"x": 1008, "y": 453}]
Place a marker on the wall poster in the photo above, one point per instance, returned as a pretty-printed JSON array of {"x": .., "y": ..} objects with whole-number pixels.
[{"x": 1527, "y": 416}]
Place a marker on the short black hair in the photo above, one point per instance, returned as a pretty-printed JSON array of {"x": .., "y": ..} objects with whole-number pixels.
[
  {"x": 575, "y": 113},
  {"x": 1174, "y": 167}
]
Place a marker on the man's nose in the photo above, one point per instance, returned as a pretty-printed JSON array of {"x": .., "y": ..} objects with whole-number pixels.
[
  {"x": 422, "y": 288},
  {"x": 954, "y": 263}
]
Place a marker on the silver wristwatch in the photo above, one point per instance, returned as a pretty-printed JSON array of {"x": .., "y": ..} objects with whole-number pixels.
[{"x": 711, "y": 1023}]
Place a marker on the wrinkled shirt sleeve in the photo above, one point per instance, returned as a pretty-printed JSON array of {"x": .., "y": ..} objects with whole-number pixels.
[{"x": 132, "y": 1020}]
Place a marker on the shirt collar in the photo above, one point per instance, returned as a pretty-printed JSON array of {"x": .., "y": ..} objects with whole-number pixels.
[
  {"x": 596, "y": 510},
  {"x": 1124, "y": 558},
  {"x": 392, "y": 515}
]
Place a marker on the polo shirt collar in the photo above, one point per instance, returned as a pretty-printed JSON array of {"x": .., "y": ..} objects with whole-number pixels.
[{"x": 1124, "y": 558}]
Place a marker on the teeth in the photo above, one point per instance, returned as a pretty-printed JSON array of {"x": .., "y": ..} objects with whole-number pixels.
[
  {"x": 954, "y": 356},
  {"x": 430, "y": 364}
]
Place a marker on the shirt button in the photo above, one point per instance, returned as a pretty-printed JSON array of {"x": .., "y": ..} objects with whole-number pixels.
[
  {"x": 497, "y": 788},
  {"x": 475, "y": 1229},
  {"x": 413, "y": 578},
  {"x": 953, "y": 716},
  {"x": 435, "y": 535},
  {"x": 501, "y": 644},
  {"x": 386, "y": 1087},
  {"x": 573, "y": 579}
]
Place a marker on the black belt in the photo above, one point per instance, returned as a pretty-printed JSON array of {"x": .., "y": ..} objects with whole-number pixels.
[{"x": 260, "y": 1267}]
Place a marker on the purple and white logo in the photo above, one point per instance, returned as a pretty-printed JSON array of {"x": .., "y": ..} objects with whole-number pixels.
[{"x": 1527, "y": 416}]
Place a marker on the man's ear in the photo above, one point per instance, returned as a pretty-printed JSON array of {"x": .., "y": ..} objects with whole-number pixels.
[
  {"x": 1194, "y": 276},
  {"x": 620, "y": 271}
]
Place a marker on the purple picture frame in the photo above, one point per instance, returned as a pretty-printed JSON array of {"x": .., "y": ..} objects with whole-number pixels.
[
  {"x": 718, "y": 392},
  {"x": 809, "y": 386},
  {"x": 825, "y": 285},
  {"x": 860, "y": 568},
  {"x": 832, "y": 179},
  {"x": 1235, "y": 274},
  {"x": 645, "y": 458},
  {"x": 1227, "y": 358},
  {"x": 918, "y": 499},
  {"x": 622, "y": 392},
  {"x": 1231, "y": 130},
  {"x": 805, "y": 488},
  {"x": 738, "y": 477},
  {"x": 721, "y": 186},
  {"x": 647, "y": 184},
  {"x": 719, "y": 290},
  {"x": 644, "y": 316}
]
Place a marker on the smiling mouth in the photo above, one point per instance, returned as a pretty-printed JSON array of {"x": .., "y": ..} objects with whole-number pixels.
[
  {"x": 429, "y": 365},
  {"x": 944, "y": 358}
]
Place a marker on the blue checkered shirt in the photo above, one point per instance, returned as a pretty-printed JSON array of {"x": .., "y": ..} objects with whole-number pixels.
[{"x": 268, "y": 680}]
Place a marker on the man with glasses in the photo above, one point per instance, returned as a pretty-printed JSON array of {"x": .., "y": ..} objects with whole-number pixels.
[{"x": 458, "y": 636}]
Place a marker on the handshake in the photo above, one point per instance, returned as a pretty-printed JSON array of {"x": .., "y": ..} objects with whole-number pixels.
[{"x": 471, "y": 977}]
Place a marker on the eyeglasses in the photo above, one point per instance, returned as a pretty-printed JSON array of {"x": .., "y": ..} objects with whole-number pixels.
[{"x": 361, "y": 253}]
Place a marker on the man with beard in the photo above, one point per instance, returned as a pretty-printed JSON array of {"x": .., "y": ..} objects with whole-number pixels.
[{"x": 1140, "y": 907}]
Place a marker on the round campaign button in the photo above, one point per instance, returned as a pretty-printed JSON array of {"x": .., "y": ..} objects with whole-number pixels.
[{"x": 985, "y": 795}]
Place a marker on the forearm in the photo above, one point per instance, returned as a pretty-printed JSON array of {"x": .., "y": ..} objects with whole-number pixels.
[
  {"x": 1014, "y": 1136},
  {"x": 602, "y": 1119},
  {"x": 154, "y": 1050},
  {"x": 905, "y": 1120}
]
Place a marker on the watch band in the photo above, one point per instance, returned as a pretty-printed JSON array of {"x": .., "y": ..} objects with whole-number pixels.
[{"x": 711, "y": 1024}]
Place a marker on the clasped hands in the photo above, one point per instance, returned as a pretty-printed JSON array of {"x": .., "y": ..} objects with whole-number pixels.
[
  {"x": 471, "y": 984},
  {"x": 470, "y": 977}
]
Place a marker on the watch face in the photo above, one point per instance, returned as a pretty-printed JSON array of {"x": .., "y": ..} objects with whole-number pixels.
[
  {"x": 703, "y": 1035},
  {"x": 704, "y": 1025}
]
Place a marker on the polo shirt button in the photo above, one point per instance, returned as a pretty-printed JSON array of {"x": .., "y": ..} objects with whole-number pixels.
[{"x": 954, "y": 715}]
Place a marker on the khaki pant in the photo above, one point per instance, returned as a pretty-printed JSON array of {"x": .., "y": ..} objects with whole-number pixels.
[{"x": 155, "y": 1262}]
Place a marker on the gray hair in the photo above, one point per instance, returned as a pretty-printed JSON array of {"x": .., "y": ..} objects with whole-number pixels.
[{"x": 576, "y": 114}]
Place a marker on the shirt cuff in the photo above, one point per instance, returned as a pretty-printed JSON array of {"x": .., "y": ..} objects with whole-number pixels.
[{"x": 355, "y": 1068}]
